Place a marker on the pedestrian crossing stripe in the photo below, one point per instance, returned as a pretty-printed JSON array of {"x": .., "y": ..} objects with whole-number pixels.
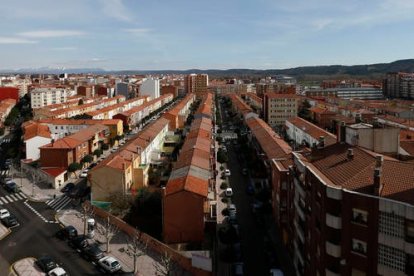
[
  {"x": 12, "y": 198},
  {"x": 59, "y": 203}
]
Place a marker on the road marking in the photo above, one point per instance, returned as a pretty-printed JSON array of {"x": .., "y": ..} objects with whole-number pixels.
[
  {"x": 9, "y": 198},
  {"x": 22, "y": 195},
  {"x": 3, "y": 200},
  {"x": 19, "y": 196},
  {"x": 14, "y": 198},
  {"x": 36, "y": 212}
]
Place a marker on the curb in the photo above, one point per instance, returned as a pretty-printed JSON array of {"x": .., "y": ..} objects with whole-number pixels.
[
  {"x": 6, "y": 234},
  {"x": 58, "y": 220}
]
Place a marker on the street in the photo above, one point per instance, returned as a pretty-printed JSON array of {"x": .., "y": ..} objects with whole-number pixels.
[{"x": 34, "y": 237}]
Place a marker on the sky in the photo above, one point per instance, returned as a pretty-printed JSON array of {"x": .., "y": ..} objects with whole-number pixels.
[{"x": 214, "y": 34}]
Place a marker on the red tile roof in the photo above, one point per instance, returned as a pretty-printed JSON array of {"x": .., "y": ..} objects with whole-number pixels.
[
  {"x": 34, "y": 129},
  {"x": 313, "y": 130},
  {"x": 187, "y": 183}
]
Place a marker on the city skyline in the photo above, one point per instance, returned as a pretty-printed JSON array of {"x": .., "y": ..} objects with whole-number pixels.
[{"x": 158, "y": 35}]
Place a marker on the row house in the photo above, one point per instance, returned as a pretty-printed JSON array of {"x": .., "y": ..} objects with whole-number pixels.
[
  {"x": 304, "y": 133},
  {"x": 39, "y": 133},
  {"x": 322, "y": 117},
  {"x": 135, "y": 115},
  {"x": 109, "y": 111},
  {"x": 255, "y": 101},
  {"x": 351, "y": 213},
  {"x": 240, "y": 107},
  {"x": 186, "y": 204},
  {"x": 63, "y": 152},
  {"x": 179, "y": 113},
  {"x": 127, "y": 170},
  {"x": 6, "y": 107},
  {"x": 79, "y": 109}
]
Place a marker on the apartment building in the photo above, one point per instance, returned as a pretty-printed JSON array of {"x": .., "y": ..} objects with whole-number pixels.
[
  {"x": 399, "y": 85},
  {"x": 348, "y": 215},
  {"x": 9, "y": 93},
  {"x": 179, "y": 113},
  {"x": 150, "y": 87},
  {"x": 127, "y": 170},
  {"x": 196, "y": 84},
  {"x": 278, "y": 108},
  {"x": 35, "y": 136},
  {"x": 45, "y": 96}
]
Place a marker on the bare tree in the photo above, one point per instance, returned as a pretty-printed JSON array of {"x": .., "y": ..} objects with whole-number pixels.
[
  {"x": 87, "y": 212},
  {"x": 166, "y": 265},
  {"x": 107, "y": 230},
  {"x": 121, "y": 204},
  {"x": 137, "y": 247}
]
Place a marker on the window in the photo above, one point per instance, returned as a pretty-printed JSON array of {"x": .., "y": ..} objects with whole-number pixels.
[
  {"x": 391, "y": 224},
  {"x": 359, "y": 216},
  {"x": 409, "y": 231},
  {"x": 359, "y": 246},
  {"x": 391, "y": 257}
]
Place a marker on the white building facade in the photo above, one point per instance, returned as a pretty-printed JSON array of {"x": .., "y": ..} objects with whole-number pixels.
[
  {"x": 41, "y": 97},
  {"x": 150, "y": 87}
]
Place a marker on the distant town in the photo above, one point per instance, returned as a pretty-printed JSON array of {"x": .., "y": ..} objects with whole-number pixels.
[{"x": 189, "y": 174}]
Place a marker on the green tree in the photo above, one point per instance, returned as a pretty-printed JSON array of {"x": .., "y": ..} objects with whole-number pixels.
[
  {"x": 105, "y": 146},
  {"x": 97, "y": 152},
  {"x": 222, "y": 156},
  {"x": 304, "y": 111},
  {"x": 74, "y": 167},
  {"x": 87, "y": 158}
]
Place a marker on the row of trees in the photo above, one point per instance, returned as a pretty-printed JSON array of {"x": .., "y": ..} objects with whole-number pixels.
[{"x": 87, "y": 159}]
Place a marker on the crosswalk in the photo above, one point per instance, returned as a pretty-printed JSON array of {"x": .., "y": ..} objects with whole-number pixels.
[
  {"x": 12, "y": 198},
  {"x": 59, "y": 203}
]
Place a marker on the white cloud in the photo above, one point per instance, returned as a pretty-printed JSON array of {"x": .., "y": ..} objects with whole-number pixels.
[
  {"x": 15, "y": 40},
  {"x": 116, "y": 9},
  {"x": 137, "y": 31},
  {"x": 51, "y": 33}
]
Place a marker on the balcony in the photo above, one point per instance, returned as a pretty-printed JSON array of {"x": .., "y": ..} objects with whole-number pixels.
[
  {"x": 299, "y": 231},
  {"x": 299, "y": 210},
  {"x": 333, "y": 249},
  {"x": 333, "y": 221}
]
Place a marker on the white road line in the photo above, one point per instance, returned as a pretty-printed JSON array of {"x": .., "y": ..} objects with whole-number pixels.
[
  {"x": 23, "y": 195},
  {"x": 9, "y": 198},
  {"x": 14, "y": 197},
  {"x": 3, "y": 200},
  {"x": 19, "y": 196},
  {"x": 63, "y": 204}
]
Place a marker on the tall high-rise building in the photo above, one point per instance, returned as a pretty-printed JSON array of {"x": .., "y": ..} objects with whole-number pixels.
[
  {"x": 197, "y": 84},
  {"x": 399, "y": 85},
  {"x": 150, "y": 87},
  {"x": 278, "y": 108},
  {"x": 121, "y": 88}
]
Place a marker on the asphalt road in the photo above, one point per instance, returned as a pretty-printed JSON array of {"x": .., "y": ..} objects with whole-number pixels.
[{"x": 34, "y": 238}]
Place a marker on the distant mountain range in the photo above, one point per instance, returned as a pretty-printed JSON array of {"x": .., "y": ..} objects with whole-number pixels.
[{"x": 305, "y": 72}]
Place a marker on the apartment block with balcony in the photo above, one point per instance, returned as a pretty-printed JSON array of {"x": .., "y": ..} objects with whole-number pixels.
[
  {"x": 348, "y": 215},
  {"x": 196, "y": 84},
  {"x": 41, "y": 97}
]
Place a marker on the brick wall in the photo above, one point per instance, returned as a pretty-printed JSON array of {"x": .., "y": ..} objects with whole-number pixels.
[{"x": 154, "y": 244}]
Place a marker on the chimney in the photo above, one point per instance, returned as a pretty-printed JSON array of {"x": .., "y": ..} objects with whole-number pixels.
[
  {"x": 375, "y": 123},
  {"x": 379, "y": 159},
  {"x": 377, "y": 181},
  {"x": 321, "y": 142},
  {"x": 341, "y": 133},
  {"x": 350, "y": 154}
]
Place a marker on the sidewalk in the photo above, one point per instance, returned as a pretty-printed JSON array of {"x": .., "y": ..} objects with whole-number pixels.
[
  {"x": 4, "y": 231},
  {"x": 25, "y": 267},
  {"x": 118, "y": 245}
]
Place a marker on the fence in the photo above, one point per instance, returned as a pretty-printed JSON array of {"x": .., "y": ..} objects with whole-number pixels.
[{"x": 154, "y": 244}]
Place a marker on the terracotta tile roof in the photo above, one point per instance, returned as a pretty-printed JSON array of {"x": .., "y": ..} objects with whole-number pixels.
[
  {"x": 34, "y": 129},
  {"x": 406, "y": 135},
  {"x": 408, "y": 146},
  {"x": 79, "y": 122},
  {"x": 357, "y": 174},
  {"x": 54, "y": 171},
  {"x": 271, "y": 143},
  {"x": 88, "y": 133},
  {"x": 320, "y": 110},
  {"x": 313, "y": 130},
  {"x": 193, "y": 157},
  {"x": 281, "y": 96},
  {"x": 178, "y": 107},
  {"x": 189, "y": 184},
  {"x": 64, "y": 143},
  {"x": 240, "y": 105},
  {"x": 145, "y": 105}
]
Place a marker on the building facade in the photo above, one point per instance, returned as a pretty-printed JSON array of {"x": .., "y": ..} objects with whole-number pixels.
[
  {"x": 278, "y": 108},
  {"x": 196, "y": 83}
]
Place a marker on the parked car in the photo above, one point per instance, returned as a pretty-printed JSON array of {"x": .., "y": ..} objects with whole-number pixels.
[
  {"x": 74, "y": 192},
  {"x": 276, "y": 272},
  {"x": 92, "y": 165},
  {"x": 68, "y": 187},
  {"x": 11, "y": 187},
  {"x": 228, "y": 192},
  {"x": 227, "y": 172},
  {"x": 67, "y": 233},
  {"x": 84, "y": 174},
  {"x": 250, "y": 189},
  {"x": 4, "y": 213},
  {"x": 58, "y": 271},
  {"x": 10, "y": 221},
  {"x": 46, "y": 263},
  {"x": 245, "y": 171},
  {"x": 109, "y": 264},
  {"x": 79, "y": 243},
  {"x": 92, "y": 252}
]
